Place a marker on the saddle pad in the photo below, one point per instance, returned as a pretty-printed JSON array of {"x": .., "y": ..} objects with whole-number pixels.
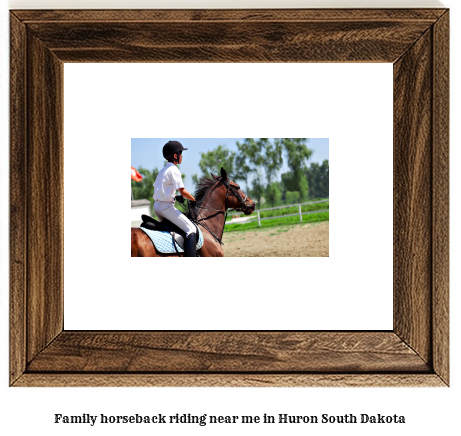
[{"x": 163, "y": 241}]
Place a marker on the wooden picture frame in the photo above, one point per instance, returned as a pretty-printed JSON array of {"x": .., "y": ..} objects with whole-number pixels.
[{"x": 414, "y": 353}]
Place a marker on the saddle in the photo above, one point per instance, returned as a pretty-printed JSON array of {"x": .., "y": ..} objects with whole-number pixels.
[{"x": 176, "y": 235}]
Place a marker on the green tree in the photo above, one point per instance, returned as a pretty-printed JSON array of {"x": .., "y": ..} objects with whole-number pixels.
[
  {"x": 318, "y": 178},
  {"x": 144, "y": 190},
  {"x": 297, "y": 156},
  {"x": 248, "y": 164},
  {"x": 288, "y": 182},
  {"x": 274, "y": 193},
  {"x": 273, "y": 161},
  {"x": 257, "y": 163},
  {"x": 256, "y": 157},
  {"x": 213, "y": 160},
  {"x": 257, "y": 189},
  {"x": 292, "y": 197}
]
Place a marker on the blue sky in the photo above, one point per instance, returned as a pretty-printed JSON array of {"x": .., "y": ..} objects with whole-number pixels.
[{"x": 147, "y": 152}]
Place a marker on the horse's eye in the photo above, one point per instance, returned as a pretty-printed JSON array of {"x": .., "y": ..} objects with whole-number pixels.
[{"x": 237, "y": 186}]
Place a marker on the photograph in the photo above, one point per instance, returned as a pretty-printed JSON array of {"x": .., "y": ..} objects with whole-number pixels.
[
  {"x": 291, "y": 334},
  {"x": 232, "y": 197}
]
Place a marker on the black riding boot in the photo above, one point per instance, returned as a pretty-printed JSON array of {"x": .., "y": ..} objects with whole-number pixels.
[{"x": 190, "y": 246}]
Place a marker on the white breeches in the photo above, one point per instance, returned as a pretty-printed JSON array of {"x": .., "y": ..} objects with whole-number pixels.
[{"x": 167, "y": 210}]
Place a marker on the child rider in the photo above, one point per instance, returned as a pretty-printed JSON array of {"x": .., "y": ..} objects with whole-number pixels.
[{"x": 168, "y": 181}]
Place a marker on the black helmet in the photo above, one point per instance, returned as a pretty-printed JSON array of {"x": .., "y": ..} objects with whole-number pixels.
[{"x": 172, "y": 147}]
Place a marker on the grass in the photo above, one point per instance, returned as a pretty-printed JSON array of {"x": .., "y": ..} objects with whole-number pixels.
[
  {"x": 284, "y": 211},
  {"x": 294, "y": 209},
  {"x": 277, "y": 222}
]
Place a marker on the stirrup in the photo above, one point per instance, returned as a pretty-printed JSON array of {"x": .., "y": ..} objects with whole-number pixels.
[{"x": 190, "y": 244}]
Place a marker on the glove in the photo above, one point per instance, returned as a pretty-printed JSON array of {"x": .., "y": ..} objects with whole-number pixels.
[{"x": 180, "y": 199}]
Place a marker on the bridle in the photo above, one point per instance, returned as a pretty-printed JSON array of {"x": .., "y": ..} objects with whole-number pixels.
[
  {"x": 236, "y": 195},
  {"x": 240, "y": 209}
]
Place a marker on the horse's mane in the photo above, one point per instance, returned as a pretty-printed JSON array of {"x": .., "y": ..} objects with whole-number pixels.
[
  {"x": 200, "y": 193},
  {"x": 202, "y": 189}
]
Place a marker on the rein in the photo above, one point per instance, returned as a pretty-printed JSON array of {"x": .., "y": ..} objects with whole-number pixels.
[{"x": 243, "y": 208}]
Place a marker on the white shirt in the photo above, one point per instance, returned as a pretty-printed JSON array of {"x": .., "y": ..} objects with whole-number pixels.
[{"x": 166, "y": 184}]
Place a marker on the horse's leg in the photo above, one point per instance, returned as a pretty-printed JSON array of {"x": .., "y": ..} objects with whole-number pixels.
[{"x": 210, "y": 248}]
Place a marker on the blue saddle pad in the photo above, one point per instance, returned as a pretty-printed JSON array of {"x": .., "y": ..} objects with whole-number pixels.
[{"x": 163, "y": 241}]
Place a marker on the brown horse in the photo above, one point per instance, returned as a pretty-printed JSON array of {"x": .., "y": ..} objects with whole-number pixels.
[{"x": 213, "y": 197}]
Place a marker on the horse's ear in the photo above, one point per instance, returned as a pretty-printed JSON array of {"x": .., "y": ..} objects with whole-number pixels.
[
  {"x": 223, "y": 173},
  {"x": 212, "y": 175}
]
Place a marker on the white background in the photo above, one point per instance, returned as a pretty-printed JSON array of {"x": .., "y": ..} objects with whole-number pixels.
[
  {"x": 427, "y": 411},
  {"x": 108, "y": 104}
]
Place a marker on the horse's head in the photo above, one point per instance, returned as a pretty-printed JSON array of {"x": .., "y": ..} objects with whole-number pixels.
[{"x": 235, "y": 197}]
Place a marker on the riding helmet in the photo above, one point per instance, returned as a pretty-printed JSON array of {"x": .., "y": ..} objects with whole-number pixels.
[{"x": 172, "y": 147}]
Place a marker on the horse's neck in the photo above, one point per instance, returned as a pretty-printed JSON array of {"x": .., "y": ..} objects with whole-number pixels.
[{"x": 210, "y": 215}]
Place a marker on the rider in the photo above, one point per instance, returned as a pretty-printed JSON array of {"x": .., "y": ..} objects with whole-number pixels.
[{"x": 168, "y": 181}]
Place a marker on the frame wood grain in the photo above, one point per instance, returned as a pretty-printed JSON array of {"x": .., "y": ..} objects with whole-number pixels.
[{"x": 415, "y": 353}]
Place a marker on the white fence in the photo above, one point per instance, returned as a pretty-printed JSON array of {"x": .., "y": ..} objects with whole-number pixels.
[{"x": 300, "y": 213}]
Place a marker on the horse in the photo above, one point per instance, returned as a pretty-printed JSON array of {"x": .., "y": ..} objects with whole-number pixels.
[{"x": 213, "y": 198}]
